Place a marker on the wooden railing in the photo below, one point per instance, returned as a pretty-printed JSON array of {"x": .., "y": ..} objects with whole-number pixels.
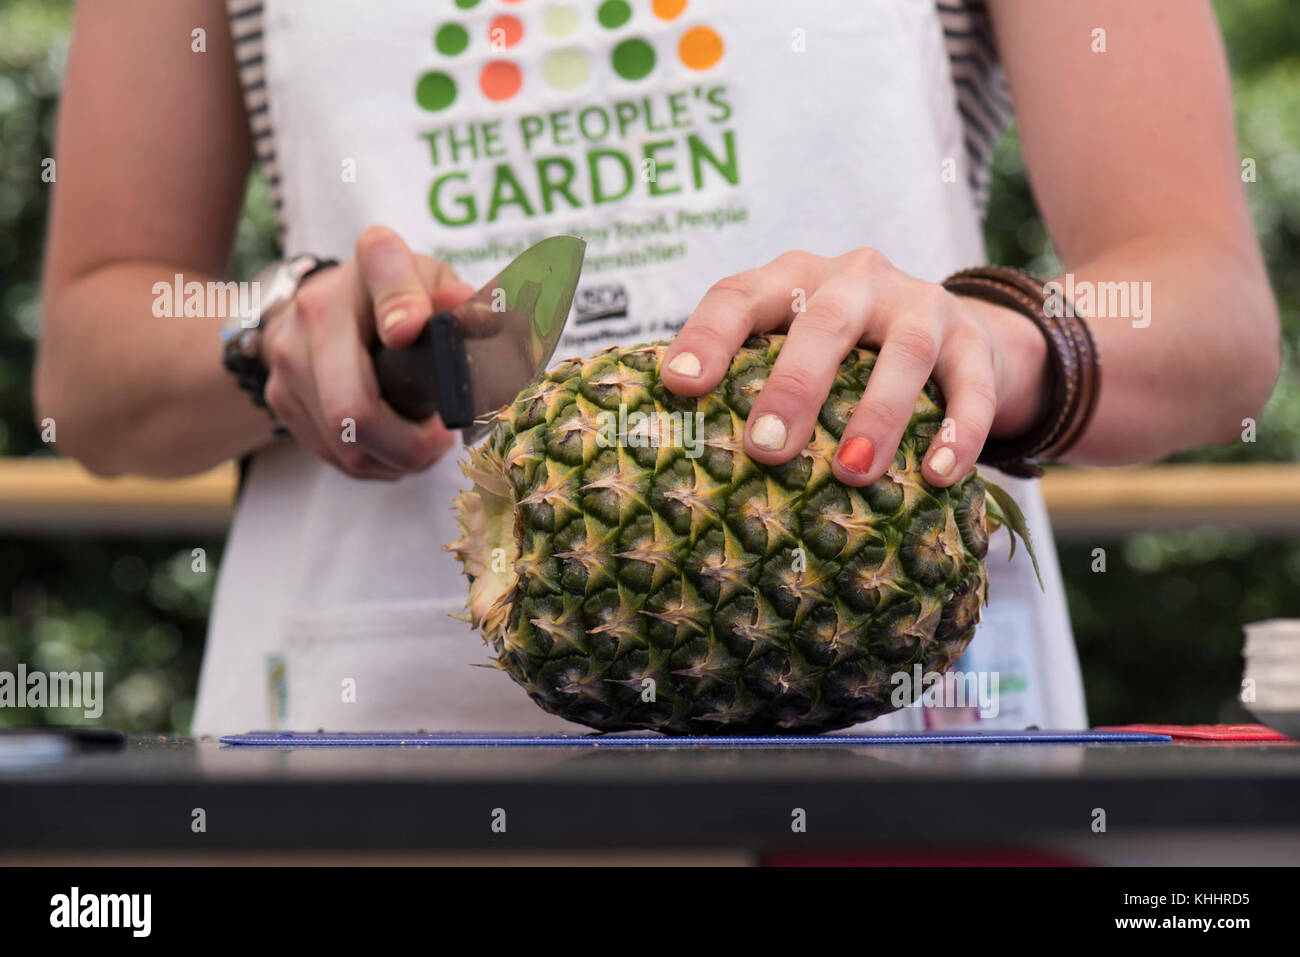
[
  {"x": 56, "y": 496},
  {"x": 1082, "y": 501}
]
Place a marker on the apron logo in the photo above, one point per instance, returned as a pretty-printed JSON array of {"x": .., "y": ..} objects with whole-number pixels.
[
  {"x": 632, "y": 56},
  {"x": 671, "y": 137},
  {"x": 600, "y": 302}
]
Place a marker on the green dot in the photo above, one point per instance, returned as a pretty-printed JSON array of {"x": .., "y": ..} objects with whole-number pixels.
[
  {"x": 435, "y": 91},
  {"x": 467, "y": 4},
  {"x": 451, "y": 39},
  {"x": 633, "y": 59},
  {"x": 614, "y": 13}
]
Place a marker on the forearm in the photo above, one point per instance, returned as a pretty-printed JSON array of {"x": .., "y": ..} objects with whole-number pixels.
[
  {"x": 132, "y": 392},
  {"x": 1187, "y": 351},
  {"x": 1202, "y": 356}
]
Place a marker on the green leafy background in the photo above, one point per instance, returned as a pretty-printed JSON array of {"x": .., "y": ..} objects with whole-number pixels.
[{"x": 1159, "y": 634}]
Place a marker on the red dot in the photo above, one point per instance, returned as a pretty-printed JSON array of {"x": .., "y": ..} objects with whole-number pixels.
[
  {"x": 500, "y": 80},
  {"x": 504, "y": 31}
]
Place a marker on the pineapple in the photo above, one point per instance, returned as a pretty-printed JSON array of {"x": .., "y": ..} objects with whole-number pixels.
[{"x": 632, "y": 567}]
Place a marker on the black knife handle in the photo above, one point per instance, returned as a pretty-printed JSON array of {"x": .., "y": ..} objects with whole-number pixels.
[{"x": 430, "y": 375}]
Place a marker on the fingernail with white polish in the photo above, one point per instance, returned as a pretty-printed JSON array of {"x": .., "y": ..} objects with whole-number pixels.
[
  {"x": 394, "y": 317},
  {"x": 941, "y": 462},
  {"x": 768, "y": 432},
  {"x": 685, "y": 363}
]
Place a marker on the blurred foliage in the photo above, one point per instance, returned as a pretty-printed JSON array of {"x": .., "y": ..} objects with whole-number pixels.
[
  {"x": 135, "y": 610},
  {"x": 1159, "y": 633},
  {"x": 33, "y": 38}
]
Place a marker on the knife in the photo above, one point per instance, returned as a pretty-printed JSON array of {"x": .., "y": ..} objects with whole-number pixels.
[{"x": 469, "y": 361}]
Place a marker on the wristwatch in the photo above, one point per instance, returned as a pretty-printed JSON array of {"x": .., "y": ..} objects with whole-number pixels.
[{"x": 241, "y": 333}]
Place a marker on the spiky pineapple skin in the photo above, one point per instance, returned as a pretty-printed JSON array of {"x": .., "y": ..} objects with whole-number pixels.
[{"x": 637, "y": 586}]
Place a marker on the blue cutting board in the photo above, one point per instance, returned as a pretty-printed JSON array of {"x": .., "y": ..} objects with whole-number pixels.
[{"x": 451, "y": 739}]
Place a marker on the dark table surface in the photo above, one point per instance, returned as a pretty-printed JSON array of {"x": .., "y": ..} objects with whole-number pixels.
[{"x": 145, "y": 795}]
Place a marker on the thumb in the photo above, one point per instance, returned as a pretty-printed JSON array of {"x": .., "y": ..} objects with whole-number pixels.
[{"x": 392, "y": 294}]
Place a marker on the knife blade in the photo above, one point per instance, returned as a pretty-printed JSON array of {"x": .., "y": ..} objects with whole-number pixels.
[{"x": 469, "y": 361}]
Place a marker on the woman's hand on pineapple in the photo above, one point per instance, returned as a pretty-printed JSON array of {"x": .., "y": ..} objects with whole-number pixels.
[
  {"x": 988, "y": 361},
  {"x": 321, "y": 373}
]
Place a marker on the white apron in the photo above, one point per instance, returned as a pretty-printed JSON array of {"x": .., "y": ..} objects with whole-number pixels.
[{"x": 767, "y": 125}]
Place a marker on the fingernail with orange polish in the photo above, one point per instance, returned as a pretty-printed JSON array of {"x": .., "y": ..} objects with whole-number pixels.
[{"x": 856, "y": 454}]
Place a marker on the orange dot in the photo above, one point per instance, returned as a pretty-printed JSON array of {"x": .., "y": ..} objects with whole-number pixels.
[
  {"x": 500, "y": 80},
  {"x": 668, "y": 9},
  {"x": 504, "y": 31},
  {"x": 700, "y": 48}
]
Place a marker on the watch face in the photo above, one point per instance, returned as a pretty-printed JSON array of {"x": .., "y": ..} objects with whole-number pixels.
[{"x": 274, "y": 287}]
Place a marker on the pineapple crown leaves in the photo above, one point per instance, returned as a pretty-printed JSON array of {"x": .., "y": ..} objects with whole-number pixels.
[{"x": 1003, "y": 511}]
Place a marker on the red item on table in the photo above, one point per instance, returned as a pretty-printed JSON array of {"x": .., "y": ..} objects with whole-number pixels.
[{"x": 1207, "y": 732}]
